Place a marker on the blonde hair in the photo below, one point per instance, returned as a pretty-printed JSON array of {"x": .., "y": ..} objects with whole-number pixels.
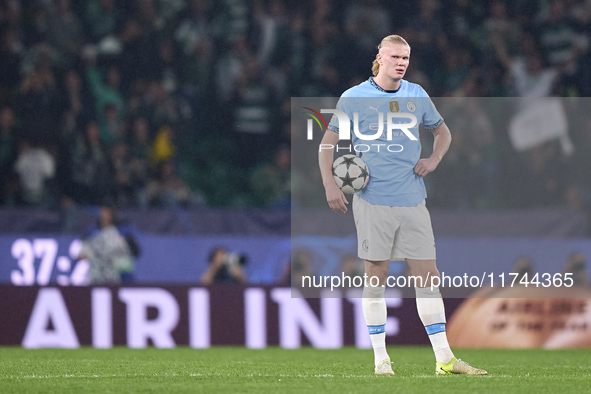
[{"x": 391, "y": 39}]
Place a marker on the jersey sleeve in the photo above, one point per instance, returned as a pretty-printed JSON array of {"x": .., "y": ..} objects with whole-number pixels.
[
  {"x": 341, "y": 106},
  {"x": 431, "y": 117}
]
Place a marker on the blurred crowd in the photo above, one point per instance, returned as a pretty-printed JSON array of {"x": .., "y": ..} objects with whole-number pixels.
[{"x": 182, "y": 103}]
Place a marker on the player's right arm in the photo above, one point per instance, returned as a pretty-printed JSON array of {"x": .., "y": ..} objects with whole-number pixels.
[{"x": 334, "y": 196}]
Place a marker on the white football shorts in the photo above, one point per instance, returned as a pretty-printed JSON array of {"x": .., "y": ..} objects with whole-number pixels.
[{"x": 393, "y": 233}]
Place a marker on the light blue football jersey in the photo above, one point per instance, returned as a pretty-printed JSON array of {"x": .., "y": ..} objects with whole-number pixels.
[{"x": 391, "y": 161}]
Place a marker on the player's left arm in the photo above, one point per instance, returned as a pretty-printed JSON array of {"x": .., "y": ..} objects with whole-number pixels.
[{"x": 441, "y": 144}]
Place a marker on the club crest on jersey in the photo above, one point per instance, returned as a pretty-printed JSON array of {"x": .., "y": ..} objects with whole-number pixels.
[
  {"x": 365, "y": 245},
  {"x": 394, "y": 106},
  {"x": 411, "y": 106}
]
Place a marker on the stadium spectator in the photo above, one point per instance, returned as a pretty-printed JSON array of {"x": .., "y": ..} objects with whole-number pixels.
[
  {"x": 167, "y": 69},
  {"x": 368, "y": 21},
  {"x": 323, "y": 77},
  {"x": 35, "y": 168},
  {"x": 194, "y": 35},
  {"x": 109, "y": 102},
  {"x": 499, "y": 27},
  {"x": 463, "y": 19},
  {"x": 454, "y": 71},
  {"x": 229, "y": 68},
  {"x": 11, "y": 53},
  {"x": 559, "y": 37},
  {"x": 163, "y": 147},
  {"x": 112, "y": 130},
  {"x": 159, "y": 107},
  {"x": 139, "y": 40},
  {"x": 139, "y": 153},
  {"x": 90, "y": 171},
  {"x": 124, "y": 193},
  {"x": 546, "y": 184},
  {"x": 425, "y": 33},
  {"x": 271, "y": 182},
  {"x": 102, "y": 18},
  {"x": 37, "y": 104},
  {"x": 254, "y": 103},
  {"x": 76, "y": 103},
  {"x": 471, "y": 161},
  {"x": 581, "y": 160},
  {"x": 64, "y": 30},
  {"x": 167, "y": 190},
  {"x": 530, "y": 78},
  {"x": 8, "y": 154}
]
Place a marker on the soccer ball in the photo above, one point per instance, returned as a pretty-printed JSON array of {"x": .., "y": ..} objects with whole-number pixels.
[{"x": 350, "y": 173}]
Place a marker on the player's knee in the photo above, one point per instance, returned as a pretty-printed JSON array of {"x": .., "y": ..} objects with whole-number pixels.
[
  {"x": 376, "y": 272},
  {"x": 375, "y": 279}
]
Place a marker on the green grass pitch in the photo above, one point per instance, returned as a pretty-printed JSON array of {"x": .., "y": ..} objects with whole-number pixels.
[{"x": 240, "y": 370}]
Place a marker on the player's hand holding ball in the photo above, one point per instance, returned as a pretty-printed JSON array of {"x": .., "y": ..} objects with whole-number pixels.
[{"x": 350, "y": 174}]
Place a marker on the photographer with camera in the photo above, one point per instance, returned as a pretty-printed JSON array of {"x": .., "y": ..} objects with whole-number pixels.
[{"x": 224, "y": 267}]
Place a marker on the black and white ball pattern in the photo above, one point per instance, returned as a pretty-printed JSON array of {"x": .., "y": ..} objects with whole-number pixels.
[{"x": 350, "y": 173}]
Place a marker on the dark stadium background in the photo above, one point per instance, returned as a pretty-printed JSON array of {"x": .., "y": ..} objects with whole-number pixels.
[{"x": 177, "y": 113}]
